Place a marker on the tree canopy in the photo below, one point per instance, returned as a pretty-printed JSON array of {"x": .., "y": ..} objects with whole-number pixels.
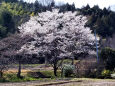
[
  {"x": 100, "y": 19},
  {"x": 58, "y": 36}
]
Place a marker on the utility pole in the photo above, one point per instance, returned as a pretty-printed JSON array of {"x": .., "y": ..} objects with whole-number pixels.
[{"x": 96, "y": 45}]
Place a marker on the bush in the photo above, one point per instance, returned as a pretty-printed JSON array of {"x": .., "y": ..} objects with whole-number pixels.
[
  {"x": 3, "y": 80},
  {"x": 88, "y": 68},
  {"x": 108, "y": 56},
  {"x": 106, "y": 74},
  {"x": 43, "y": 74},
  {"x": 68, "y": 70},
  {"x": 37, "y": 75},
  {"x": 113, "y": 75}
]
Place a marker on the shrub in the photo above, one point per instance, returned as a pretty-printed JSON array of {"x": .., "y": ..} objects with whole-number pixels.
[
  {"x": 3, "y": 80},
  {"x": 88, "y": 68},
  {"x": 68, "y": 70},
  {"x": 37, "y": 75},
  {"x": 113, "y": 75},
  {"x": 108, "y": 56},
  {"x": 106, "y": 74}
]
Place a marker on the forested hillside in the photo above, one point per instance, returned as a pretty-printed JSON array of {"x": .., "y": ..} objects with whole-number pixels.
[
  {"x": 14, "y": 12},
  {"x": 101, "y": 20}
]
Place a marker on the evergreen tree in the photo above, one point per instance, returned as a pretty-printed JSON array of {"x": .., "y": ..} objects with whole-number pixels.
[{"x": 6, "y": 22}]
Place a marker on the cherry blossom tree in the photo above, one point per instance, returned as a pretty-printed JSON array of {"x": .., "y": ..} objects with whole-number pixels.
[
  {"x": 4, "y": 65},
  {"x": 9, "y": 51},
  {"x": 58, "y": 35}
]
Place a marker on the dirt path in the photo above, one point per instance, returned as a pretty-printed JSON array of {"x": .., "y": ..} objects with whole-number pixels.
[
  {"x": 31, "y": 83},
  {"x": 64, "y": 83},
  {"x": 88, "y": 83}
]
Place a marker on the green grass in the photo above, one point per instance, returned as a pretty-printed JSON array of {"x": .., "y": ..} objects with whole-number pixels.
[
  {"x": 12, "y": 77},
  {"x": 51, "y": 73}
]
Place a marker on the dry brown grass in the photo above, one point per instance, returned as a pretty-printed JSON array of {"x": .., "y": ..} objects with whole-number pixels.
[{"x": 14, "y": 71}]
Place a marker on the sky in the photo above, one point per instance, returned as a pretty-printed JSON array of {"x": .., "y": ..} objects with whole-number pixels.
[{"x": 80, "y": 3}]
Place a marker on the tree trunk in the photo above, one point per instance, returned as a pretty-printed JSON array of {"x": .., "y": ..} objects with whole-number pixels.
[
  {"x": 1, "y": 74},
  {"x": 62, "y": 69},
  {"x": 55, "y": 70},
  {"x": 62, "y": 72},
  {"x": 72, "y": 61},
  {"x": 46, "y": 61},
  {"x": 19, "y": 70}
]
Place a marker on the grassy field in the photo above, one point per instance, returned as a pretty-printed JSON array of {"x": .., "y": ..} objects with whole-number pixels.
[
  {"x": 52, "y": 81},
  {"x": 10, "y": 76},
  {"x": 27, "y": 80}
]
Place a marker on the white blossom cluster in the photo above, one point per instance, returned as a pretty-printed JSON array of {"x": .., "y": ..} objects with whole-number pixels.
[{"x": 67, "y": 28}]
